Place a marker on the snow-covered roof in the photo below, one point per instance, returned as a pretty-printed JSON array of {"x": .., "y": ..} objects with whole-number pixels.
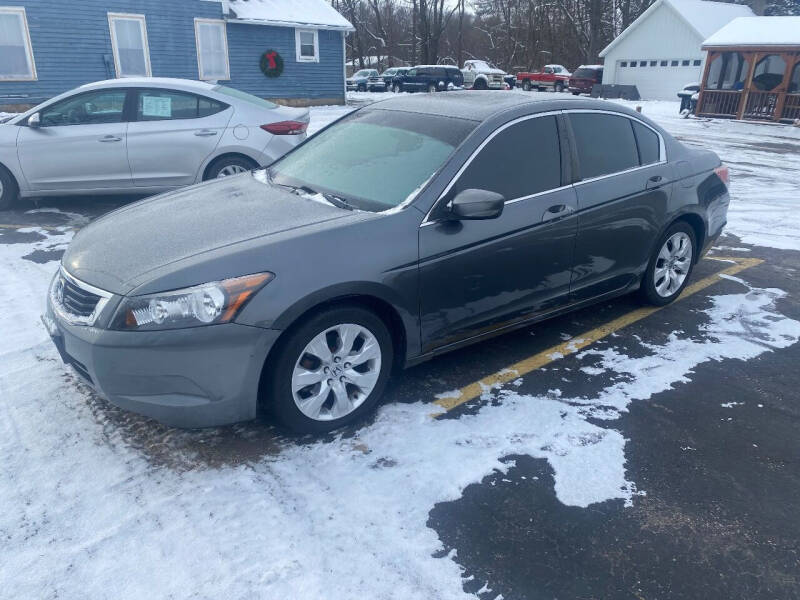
[
  {"x": 703, "y": 16},
  {"x": 758, "y": 31},
  {"x": 288, "y": 13}
]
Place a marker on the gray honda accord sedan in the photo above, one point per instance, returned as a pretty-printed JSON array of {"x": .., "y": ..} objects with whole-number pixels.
[{"x": 406, "y": 229}]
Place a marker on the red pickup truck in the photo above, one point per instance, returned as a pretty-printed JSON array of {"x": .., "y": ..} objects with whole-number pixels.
[{"x": 553, "y": 77}]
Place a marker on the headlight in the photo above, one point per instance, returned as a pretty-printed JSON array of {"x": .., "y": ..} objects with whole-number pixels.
[{"x": 206, "y": 304}]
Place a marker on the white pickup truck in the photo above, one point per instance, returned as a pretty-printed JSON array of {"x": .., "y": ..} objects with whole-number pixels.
[{"x": 479, "y": 75}]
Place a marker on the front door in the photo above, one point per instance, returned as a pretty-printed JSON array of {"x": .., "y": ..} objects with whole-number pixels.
[
  {"x": 476, "y": 276},
  {"x": 80, "y": 144},
  {"x": 622, "y": 199},
  {"x": 172, "y": 135}
]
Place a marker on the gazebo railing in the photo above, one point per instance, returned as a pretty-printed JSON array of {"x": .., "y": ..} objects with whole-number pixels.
[
  {"x": 791, "y": 107},
  {"x": 760, "y": 105},
  {"x": 720, "y": 103}
]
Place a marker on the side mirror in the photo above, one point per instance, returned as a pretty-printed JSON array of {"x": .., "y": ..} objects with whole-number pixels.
[
  {"x": 474, "y": 204},
  {"x": 35, "y": 121}
]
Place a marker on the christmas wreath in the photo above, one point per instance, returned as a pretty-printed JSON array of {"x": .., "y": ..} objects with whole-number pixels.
[{"x": 271, "y": 63}]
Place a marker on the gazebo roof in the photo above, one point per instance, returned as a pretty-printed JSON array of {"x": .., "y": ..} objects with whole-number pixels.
[{"x": 757, "y": 31}]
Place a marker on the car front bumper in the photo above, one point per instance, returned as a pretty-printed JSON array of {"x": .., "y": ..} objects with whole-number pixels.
[{"x": 193, "y": 377}]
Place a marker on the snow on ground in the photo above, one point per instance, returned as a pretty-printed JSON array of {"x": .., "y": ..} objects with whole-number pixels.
[{"x": 87, "y": 514}]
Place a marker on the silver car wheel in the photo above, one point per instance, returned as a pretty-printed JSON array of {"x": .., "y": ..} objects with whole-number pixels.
[
  {"x": 230, "y": 170},
  {"x": 336, "y": 372},
  {"x": 672, "y": 265},
  {"x": 1, "y": 189}
]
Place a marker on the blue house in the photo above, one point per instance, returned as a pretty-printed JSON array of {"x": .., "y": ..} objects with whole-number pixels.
[{"x": 289, "y": 51}]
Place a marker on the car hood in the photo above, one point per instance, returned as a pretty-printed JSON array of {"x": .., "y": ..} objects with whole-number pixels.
[{"x": 116, "y": 252}]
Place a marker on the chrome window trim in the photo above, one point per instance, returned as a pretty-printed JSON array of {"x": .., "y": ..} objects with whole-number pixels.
[
  {"x": 427, "y": 220},
  {"x": 77, "y": 319}
]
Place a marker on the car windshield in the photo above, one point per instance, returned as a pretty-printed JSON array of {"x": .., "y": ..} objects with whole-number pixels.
[
  {"x": 363, "y": 73},
  {"x": 372, "y": 159},
  {"x": 239, "y": 95}
]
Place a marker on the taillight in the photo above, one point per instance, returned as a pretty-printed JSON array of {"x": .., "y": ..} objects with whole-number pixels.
[
  {"x": 286, "y": 127},
  {"x": 724, "y": 174}
]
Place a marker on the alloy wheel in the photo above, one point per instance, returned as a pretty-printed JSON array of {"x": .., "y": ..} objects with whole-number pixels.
[
  {"x": 231, "y": 170},
  {"x": 673, "y": 264},
  {"x": 336, "y": 372}
]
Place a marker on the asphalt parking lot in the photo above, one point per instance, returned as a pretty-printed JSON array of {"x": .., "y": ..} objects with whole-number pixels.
[{"x": 616, "y": 452}]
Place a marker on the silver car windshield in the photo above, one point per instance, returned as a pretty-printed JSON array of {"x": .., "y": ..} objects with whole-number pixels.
[{"x": 373, "y": 159}]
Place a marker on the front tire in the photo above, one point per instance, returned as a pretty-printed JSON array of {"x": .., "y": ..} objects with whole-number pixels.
[
  {"x": 229, "y": 165},
  {"x": 431, "y": 88},
  {"x": 670, "y": 266},
  {"x": 8, "y": 189},
  {"x": 559, "y": 87},
  {"x": 330, "y": 371},
  {"x": 526, "y": 85}
]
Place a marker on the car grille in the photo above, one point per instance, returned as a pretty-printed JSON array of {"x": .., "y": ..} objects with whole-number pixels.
[
  {"x": 496, "y": 78},
  {"x": 78, "y": 301}
]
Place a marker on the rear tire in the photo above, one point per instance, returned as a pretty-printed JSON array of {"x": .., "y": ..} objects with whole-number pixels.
[
  {"x": 576, "y": 93},
  {"x": 431, "y": 88},
  {"x": 670, "y": 266},
  {"x": 229, "y": 165},
  {"x": 559, "y": 87},
  {"x": 8, "y": 189},
  {"x": 360, "y": 384},
  {"x": 526, "y": 85}
]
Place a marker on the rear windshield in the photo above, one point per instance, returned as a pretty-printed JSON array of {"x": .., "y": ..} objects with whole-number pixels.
[
  {"x": 585, "y": 73},
  {"x": 373, "y": 159},
  {"x": 239, "y": 95}
]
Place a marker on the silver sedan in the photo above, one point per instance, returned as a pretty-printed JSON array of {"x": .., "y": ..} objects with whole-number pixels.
[{"x": 142, "y": 135}]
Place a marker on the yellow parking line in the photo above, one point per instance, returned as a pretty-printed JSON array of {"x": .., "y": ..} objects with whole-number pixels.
[{"x": 545, "y": 357}]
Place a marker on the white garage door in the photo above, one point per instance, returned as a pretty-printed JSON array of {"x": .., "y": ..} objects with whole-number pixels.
[{"x": 656, "y": 80}]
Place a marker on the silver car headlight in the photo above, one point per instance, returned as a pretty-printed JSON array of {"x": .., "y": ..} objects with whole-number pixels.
[{"x": 207, "y": 304}]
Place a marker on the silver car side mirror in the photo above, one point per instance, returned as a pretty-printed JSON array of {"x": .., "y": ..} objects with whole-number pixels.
[{"x": 35, "y": 121}]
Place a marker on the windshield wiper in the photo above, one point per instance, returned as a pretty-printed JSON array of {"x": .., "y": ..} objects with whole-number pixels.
[{"x": 331, "y": 198}]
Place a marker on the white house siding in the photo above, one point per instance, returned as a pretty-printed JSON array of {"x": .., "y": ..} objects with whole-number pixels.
[{"x": 663, "y": 35}]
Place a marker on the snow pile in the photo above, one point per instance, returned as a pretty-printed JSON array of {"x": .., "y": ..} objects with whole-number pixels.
[{"x": 85, "y": 514}]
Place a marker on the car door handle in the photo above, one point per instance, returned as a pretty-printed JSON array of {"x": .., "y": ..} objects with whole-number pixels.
[
  {"x": 557, "y": 211},
  {"x": 205, "y": 133},
  {"x": 110, "y": 138},
  {"x": 655, "y": 181}
]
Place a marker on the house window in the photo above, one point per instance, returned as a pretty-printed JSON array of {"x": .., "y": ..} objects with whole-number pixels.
[
  {"x": 307, "y": 42},
  {"x": 642, "y": 63},
  {"x": 623, "y": 64},
  {"x": 674, "y": 63},
  {"x": 664, "y": 63},
  {"x": 212, "y": 49},
  {"x": 16, "y": 53},
  {"x": 129, "y": 43},
  {"x": 696, "y": 63},
  {"x": 653, "y": 63},
  {"x": 685, "y": 63}
]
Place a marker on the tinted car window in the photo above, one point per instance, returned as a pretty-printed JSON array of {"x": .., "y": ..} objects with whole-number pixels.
[
  {"x": 513, "y": 166},
  {"x": 92, "y": 108},
  {"x": 160, "y": 105},
  {"x": 605, "y": 143},
  {"x": 374, "y": 159},
  {"x": 648, "y": 142}
]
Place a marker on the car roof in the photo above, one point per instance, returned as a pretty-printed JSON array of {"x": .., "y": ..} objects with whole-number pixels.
[
  {"x": 480, "y": 105},
  {"x": 166, "y": 82}
]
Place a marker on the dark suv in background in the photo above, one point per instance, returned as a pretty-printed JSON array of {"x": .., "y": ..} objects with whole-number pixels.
[
  {"x": 584, "y": 78},
  {"x": 428, "y": 78}
]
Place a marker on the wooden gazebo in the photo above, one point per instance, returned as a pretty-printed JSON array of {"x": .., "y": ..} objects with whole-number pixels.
[{"x": 753, "y": 70}]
